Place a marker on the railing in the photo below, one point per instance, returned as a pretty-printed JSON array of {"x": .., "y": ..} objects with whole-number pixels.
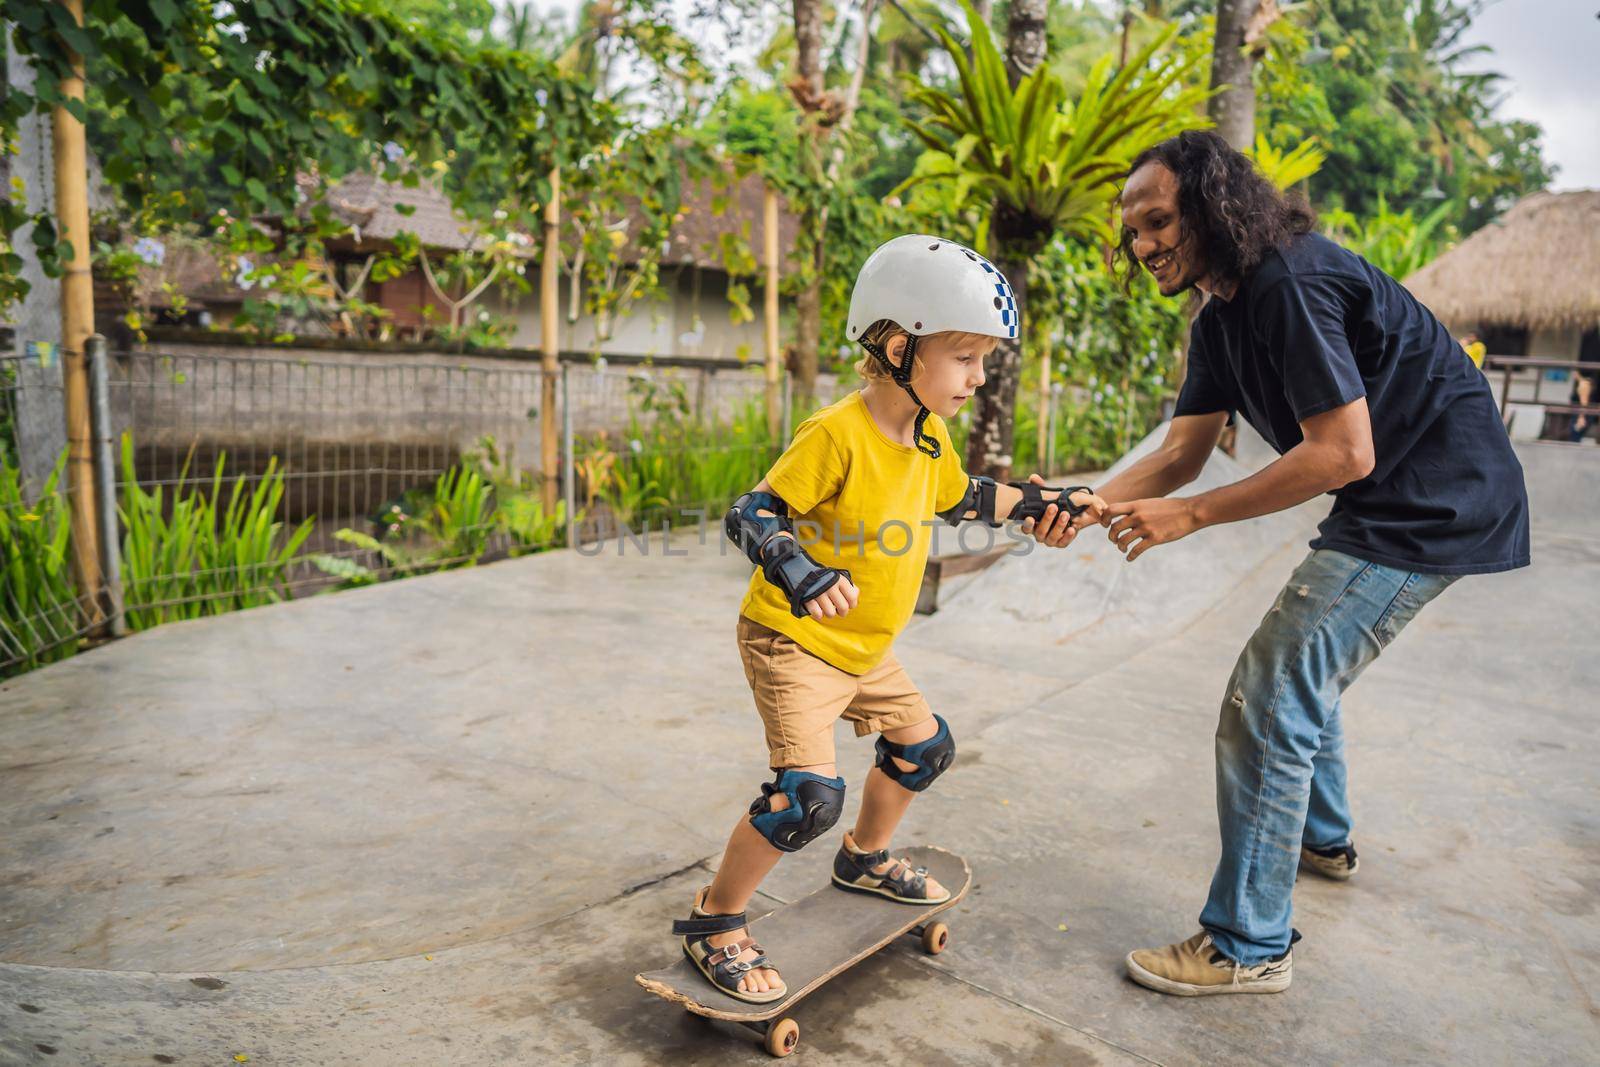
[
  {"x": 243, "y": 478},
  {"x": 1511, "y": 364}
]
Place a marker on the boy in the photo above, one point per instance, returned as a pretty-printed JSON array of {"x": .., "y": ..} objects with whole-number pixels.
[{"x": 862, "y": 478}]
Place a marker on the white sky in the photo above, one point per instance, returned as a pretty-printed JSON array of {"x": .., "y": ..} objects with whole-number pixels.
[{"x": 1549, "y": 51}]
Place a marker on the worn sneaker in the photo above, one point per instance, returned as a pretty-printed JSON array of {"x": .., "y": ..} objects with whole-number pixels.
[
  {"x": 1197, "y": 968},
  {"x": 1336, "y": 863}
]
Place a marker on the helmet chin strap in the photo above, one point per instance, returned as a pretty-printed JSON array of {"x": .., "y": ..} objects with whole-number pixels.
[{"x": 926, "y": 444}]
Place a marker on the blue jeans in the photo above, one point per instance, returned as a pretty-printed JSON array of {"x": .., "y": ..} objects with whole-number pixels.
[{"x": 1280, "y": 744}]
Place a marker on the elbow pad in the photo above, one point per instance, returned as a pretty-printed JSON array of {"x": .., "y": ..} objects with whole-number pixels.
[{"x": 751, "y": 531}]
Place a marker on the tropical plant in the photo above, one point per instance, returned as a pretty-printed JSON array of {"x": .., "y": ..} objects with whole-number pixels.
[
  {"x": 523, "y": 518},
  {"x": 440, "y": 527},
  {"x": 460, "y": 518},
  {"x": 195, "y": 556},
  {"x": 1113, "y": 354},
  {"x": 1395, "y": 242},
  {"x": 519, "y": 511},
  {"x": 197, "y": 107},
  {"x": 1049, "y": 165},
  {"x": 38, "y": 598},
  {"x": 1287, "y": 169},
  {"x": 1405, "y": 109},
  {"x": 674, "y": 462}
]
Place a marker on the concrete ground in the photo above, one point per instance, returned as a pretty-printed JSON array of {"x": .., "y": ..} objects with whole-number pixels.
[{"x": 445, "y": 820}]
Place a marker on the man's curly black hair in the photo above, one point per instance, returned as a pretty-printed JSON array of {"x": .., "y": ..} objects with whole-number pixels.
[{"x": 1234, "y": 215}]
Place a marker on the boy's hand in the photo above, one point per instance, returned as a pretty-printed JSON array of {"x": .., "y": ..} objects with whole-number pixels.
[
  {"x": 1094, "y": 502},
  {"x": 1056, "y": 528},
  {"x": 836, "y": 602}
]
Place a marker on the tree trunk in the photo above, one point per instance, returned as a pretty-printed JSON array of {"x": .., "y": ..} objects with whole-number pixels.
[
  {"x": 809, "y": 93},
  {"x": 1234, "y": 108},
  {"x": 1025, "y": 38},
  {"x": 1014, "y": 241},
  {"x": 807, "y": 340},
  {"x": 808, "y": 43},
  {"x": 994, "y": 407}
]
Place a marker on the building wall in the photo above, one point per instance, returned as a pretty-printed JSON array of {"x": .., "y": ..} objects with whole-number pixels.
[
  {"x": 352, "y": 427},
  {"x": 1554, "y": 344},
  {"x": 690, "y": 318}
]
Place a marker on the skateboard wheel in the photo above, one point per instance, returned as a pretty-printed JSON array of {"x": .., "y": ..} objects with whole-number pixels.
[
  {"x": 935, "y": 936},
  {"x": 783, "y": 1037}
]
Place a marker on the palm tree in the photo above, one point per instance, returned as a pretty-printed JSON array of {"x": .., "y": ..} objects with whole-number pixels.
[{"x": 1047, "y": 165}]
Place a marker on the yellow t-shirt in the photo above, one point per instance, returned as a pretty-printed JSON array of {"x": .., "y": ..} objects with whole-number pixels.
[{"x": 865, "y": 504}]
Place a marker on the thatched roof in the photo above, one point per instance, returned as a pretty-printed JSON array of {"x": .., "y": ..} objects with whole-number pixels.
[
  {"x": 695, "y": 235},
  {"x": 195, "y": 268},
  {"x": 372, "y": 207},
  {"x": 1538, "y": 268}
]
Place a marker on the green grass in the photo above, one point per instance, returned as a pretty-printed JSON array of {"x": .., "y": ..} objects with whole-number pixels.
[
  {"x": 38, "y": 595},
  {"x": 198, "y": 556}
]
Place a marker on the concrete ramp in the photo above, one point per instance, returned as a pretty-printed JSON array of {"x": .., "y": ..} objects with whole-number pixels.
[
  {"x": 1077, "y": 609},
  {"x": 1563, "y": 486},
  {"x": 445, "y": 820}
]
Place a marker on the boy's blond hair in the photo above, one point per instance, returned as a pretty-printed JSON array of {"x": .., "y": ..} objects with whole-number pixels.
[{"x": 883, "y": 331}]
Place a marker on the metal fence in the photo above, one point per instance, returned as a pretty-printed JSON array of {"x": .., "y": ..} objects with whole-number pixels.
[
  {"x": 244, "y": 478},
  {"x": 44, "y": 611}
]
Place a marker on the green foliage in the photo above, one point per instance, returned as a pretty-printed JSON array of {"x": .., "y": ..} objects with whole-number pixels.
[
  {"x": 195, "y": 556},
  {"x": 621, "y": 205},
  {"x": 1113, "y": 358},
  {"x": 1393, "y": 241},
  {"x": 1382, "y": 85},
  {"x": 443, "y": 527},
  {"x": 201, "y": 107},
  {"x": 532, "y": 529},
  {"x": 1053, "y": 162},
  {"x": 38, "y": 597},
  {"x": 460, "y": 518},
  {"x": 449, "y": 524},
  {"x": 519, "y": 510},
  {"x": 1287, "y": 169},
  {"x": 759, "y": 130},
  {"x": 672, "y": 460}
]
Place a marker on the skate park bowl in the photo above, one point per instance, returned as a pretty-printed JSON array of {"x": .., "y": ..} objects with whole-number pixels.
[{"x": 445, "y": 820}]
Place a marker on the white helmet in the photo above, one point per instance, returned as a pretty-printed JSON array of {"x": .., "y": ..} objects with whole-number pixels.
[{"x": 926, "y": 285}]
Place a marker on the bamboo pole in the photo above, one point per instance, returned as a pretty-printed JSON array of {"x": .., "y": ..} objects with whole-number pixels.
[
  {"x": 1045, "y": 397},
  {"x": 769, "y": 226},
  {"x": 549, "y": 311},
  {"x": 77, "y": 323}
]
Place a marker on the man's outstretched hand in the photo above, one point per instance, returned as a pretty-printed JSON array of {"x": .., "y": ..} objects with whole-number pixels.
[
  {"x": 1139, "y": 524},
  {"x": 1056, "y": 528}
]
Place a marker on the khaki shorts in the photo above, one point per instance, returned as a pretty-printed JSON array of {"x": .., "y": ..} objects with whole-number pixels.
[{"x": 800, "y": 697}]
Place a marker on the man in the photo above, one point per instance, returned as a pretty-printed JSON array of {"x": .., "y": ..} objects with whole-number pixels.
[
  {"x": 1586, "y": 383},
  {"x": 1364, "y": 395}
]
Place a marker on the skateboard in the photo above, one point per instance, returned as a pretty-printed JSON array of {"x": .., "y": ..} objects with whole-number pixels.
[{"x": 814, "y": 939}]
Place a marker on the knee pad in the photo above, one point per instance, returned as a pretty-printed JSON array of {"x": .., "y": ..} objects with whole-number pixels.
[
  {"x": 932, "y": 757},
  {"x": 815, "y": 804}
]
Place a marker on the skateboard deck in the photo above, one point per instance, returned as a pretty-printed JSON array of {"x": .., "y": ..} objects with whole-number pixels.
[{"x": 814, "y": 939}]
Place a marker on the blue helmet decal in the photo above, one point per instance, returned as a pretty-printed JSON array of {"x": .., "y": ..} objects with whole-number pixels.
[{"x": 1005, "y": 300}]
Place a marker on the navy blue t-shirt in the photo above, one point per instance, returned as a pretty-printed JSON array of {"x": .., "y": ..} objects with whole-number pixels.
[{"x": 1316, "y": 327}]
